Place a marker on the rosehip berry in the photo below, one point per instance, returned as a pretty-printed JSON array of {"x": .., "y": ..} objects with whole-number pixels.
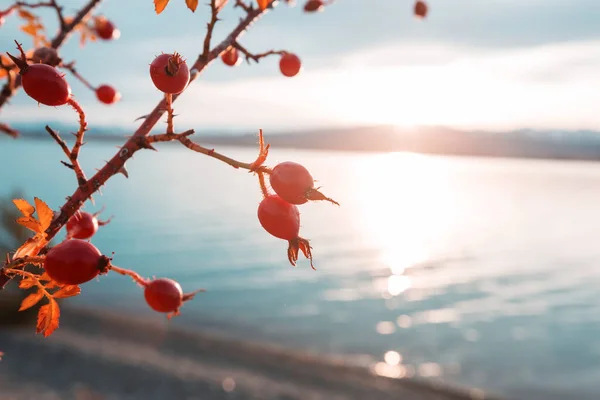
[
  {"x": 314, "y": 6},
  {"x": 74, "y": 262},
  {"x": 105, "y": 29},
  {"x": 294, "y": 184},
  {"x": 82, "y": 225},
  {"x": 42, "y": 82},
  {"x": 231, "y": 57},
  {"x": 45, "y": 84},
  {"x": 107, "y": 94},
  {"x": 164, "y": 295},
  {"x": 420, "y": 9},
  {"x": 278, "y": 217},
  {"x": 282, "y": 220},
  {"x": 170, "y": 73},
  {"x": 289, "y": 64}
]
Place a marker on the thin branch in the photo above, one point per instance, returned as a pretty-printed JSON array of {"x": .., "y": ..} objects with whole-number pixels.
[
  {"x": 8, "y": 130},
  {"x": 60, "y": 38},
  {"x": 126, "y": 272},
  {"x": 60, "y": 141},
  {"x": 263, "y": 185},
  {"x": 255, "y": 166},
  {"x": 169, "y": 105},
  {"x": 242, "y": 4},
  {"x": 71, "y": 68},
  {"x": 59, "y": 14},
  {"x": 78, "y": 142},
  {"x": 210, "y": 27},
  {"x": 23, "y": 261},
  {"x": 256, "y": 57}
]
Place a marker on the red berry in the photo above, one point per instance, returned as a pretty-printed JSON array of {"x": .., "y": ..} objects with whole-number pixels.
[
  {"x": 74, "y": 262},
  {"x": 314, "y": 6},
  {"x": 107, "y": 94},
  {"x": 45, "y": 84},
  {"x": 105, "y": 29},
  {"x": 278, "y": 217},
  {"x": 292, "y": 182},
  {"x": 420, "y": 9},
  {"x": 289, "y": 64},
  {"x": 164, "y": 295},
  {"x": 82, "y": 225},
  {"x": 231, "y": 57},
  {"x": 170, "y": 73}
]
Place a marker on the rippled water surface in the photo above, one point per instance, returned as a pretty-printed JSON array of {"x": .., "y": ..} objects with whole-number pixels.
[{"x": 480, "y": 272}]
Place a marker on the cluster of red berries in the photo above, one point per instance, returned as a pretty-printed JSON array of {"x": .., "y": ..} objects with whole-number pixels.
[
  {"x": 278, "y": 213},
  {"x": 44, "y": 84},
  {"x": 76, "y": 261}
]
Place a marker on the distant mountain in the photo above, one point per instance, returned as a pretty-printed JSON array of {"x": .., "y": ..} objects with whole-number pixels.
[{"x": 523, "y": 143}]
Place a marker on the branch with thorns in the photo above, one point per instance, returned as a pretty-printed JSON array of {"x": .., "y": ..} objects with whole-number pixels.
[
  {"x": 139, "y": 140},
  {"x": 256, "y": 57}
]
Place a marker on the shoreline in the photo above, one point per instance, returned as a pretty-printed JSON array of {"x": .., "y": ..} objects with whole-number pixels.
[{"x": 102, "y": 351}]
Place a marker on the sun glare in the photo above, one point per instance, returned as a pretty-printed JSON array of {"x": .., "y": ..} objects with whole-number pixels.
[{"x": 406, "y": 203}]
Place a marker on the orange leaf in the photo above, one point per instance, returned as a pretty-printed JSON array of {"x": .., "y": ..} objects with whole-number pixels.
[
  {"x": 26, "y": 283},
  {"x": 192, "y": 4},
  {"x": 263, "y": 4},
  {"x": 26, "y": 14},
  {"x": 48, "y": 317},
  {"x": 220, "y": 4},
  {"x": 23, "y": 206},
  {"x": 44, "y": 277},
  {"x": 44, "y": 213},
  {"x": 67, "y": 291},
  {"x": 159, "y": 5},
  {"x": 30, "y": 223},
  {"x": 30, "y": 29},
  {"x": 31, "y": 300},
  {"x": 52, "y": 285},
  {"x": 31, "y": 247}
]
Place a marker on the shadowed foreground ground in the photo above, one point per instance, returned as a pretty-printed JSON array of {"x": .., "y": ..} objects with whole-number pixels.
[{"x": 96, "y": 356}]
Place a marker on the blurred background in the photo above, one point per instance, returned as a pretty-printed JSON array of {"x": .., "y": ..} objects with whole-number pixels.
[{"x": 461, "y": 148}]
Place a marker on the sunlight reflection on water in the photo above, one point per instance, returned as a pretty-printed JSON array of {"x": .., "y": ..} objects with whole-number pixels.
[{"x": 480, "y": 272}]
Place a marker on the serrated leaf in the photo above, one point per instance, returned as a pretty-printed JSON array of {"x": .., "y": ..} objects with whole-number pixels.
[
  {"x": 67, "y": 291},
  {"x": 30, "y": 223},
  {"x": 220, "y": 4},
  {"x": 31, "y": 300},
  {"x": 31, "y": 247},
  {"x": 48, "y": 317},
  {"x": 44, "y": 277},
  {"x": 52, "y": 285},
  {"x": 23, "y": 206},
  {"x": 159, "y": 5},
  {"x": 44, "y": 213},
  {"x": 26, "y": 283},
  {"x": 262, "y": 4},
  {"x": 192, "y": 4}
]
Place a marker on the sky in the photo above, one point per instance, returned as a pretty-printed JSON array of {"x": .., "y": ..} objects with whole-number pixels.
[{"x": 471, "y": 64}]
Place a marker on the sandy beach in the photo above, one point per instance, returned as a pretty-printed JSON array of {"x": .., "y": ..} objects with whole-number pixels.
[{"x": 96, "y": 355}]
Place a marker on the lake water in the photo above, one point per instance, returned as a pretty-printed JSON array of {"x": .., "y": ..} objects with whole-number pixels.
[{"x": 481, "y": 272}]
